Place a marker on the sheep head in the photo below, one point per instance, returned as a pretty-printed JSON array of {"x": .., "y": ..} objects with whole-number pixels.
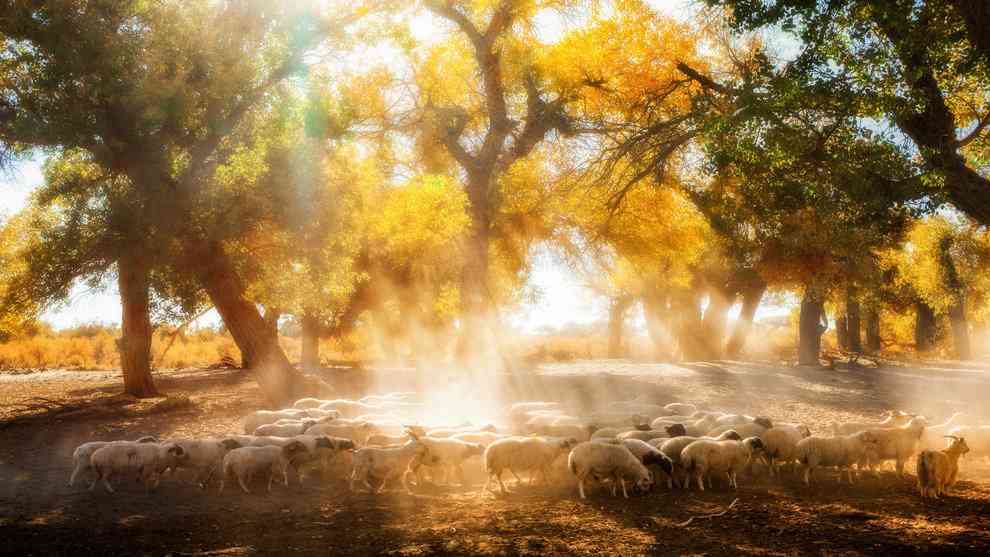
[
  {"x": 763, "y": 421},
  {"x": 958, "y": 444},
  {"x": 230, "y": 444},
  {"x": 293, "y": 448},
  {"x": 659, "y": 459},
  {"x": 755, "y": 444},
  {"x": 730, "y": 435},
  {"x": 676, "y": 430}
]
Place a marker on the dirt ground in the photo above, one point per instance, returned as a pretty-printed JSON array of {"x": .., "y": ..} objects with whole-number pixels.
[{"x": 40, "y": 515}]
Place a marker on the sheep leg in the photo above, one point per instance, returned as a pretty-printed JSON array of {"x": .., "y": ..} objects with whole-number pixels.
[
  {"x": 581, "y": 486},
  {"x": 516, "y": 476},
  {"x": 405, "y": 482},
  {"x": 371, "y": 488},
  {"x": 240, "y": 480},
  {"x": 501, "y": 486},
  {"x": 807, "y": 475},
  {"x": 460, "y": 475},
  {"x": 899, "y": 467},
  {"x": 381, "y": 488},
  {"x": 75, "y": 473},
  {"x": 701, "y": 481},
  {"x": 622, "y": 482},
  {"x": 106, "y": 482}
]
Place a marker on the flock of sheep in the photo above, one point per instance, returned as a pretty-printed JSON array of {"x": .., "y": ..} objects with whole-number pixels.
[{"x": 629, "y": 444}]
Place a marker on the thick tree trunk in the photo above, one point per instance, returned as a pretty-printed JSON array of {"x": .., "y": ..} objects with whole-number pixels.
[
  {"x": 135, "y": 344},
  {"x": 930, "y": 123},
  {"x": 686, "y": 311},
  {"x": 873, "y": 341},
  {"x": 656, "y": 312},
  {"x": 714, "y": 324},
  {"x": 270, "y": 317},
  {"x": 280, "y": 382},
  {"x": 310, "y": 342},
  {"x": 810, "y": 330},
  {"x": 976, "y": 14},
  {"x": 477, "y": 341},
  {"x": 960, "y": 331},
  {"x": 751, "y": 298},
  {"x": 616, "y": 318},
  {"x": 841, "y": 332},
  {"x": 853, "y": 334},
  {"x": 924, "y": 327}
]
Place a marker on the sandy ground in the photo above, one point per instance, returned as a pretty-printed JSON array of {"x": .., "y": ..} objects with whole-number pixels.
[{"x": 40, "y": 515}]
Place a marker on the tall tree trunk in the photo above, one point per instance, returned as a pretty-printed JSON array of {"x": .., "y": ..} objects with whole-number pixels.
[
  {"x": 658, "y": 324},
  {"x": 976, "y": 14},
  {"x": 310, "y": 342},
  {"x": 810, "y": 329},
  {"x": 133, "y": 275},
  {"x": 751, "y": 298},
  {"x": 616, "y": 317},
  {"x": 930, "y": 123},
  {"x": 714, "y": 324},
  {"x": 924, "y": 327},
  {"x": 280, "y": 382},
  {"x": 841, "y": 332},
  {"x": 960, "y": 331},
  {"x": 271, "y": 316},
  {"x": 477, "y": 340},
  {"x": 686, "y": 311},
  {"x": 853, "y": 334},
  {"x": 873, "y": 341}
]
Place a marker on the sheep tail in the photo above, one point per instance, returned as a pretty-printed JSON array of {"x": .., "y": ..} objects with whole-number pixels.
[{"x": 687, "y": 462}]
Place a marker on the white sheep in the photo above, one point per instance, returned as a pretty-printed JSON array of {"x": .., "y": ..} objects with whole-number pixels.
[
  {"x": 323, "y": 448},
  {"x": 307, "y": 403},
  {"x": 752, "y": 428},
  {"x": 245, "y": 462},
  {"x": 708, "y": 457},
  {"x": 484, "y": 438},
  {"x": 358, "y": 432},
  {"x": 607, "y": 460},
  {"x": 285, "y": 428},
  {"x": 643, "y": 435},
  {"x": 205, "y": 456},
  {"x": 891, "y": 419},
  {"x": 673, "y": 448},
  {"x": 681, "y": 408},
  {"x": 648, "y": 454},
  {"x": 448, "y": 455},
  {"x": 732, "y": 419},
  {"x": 937, "y": 470},
  {"x": 81, "y": 457},
  {"x": 840, "y": 452},
  {"x": 517, "y": 454},
  {"x": 452, "y": 431},
  {"x": 897, "y": 443},
  {"x": 259, "y": 418},
  {"x": 780, "y": 444},
  {"x": 145, "y": 460},
  {"x": 387, "y": 463}
]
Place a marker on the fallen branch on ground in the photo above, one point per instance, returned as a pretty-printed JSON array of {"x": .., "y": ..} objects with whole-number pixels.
[{"x": 707, "y": 516}]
